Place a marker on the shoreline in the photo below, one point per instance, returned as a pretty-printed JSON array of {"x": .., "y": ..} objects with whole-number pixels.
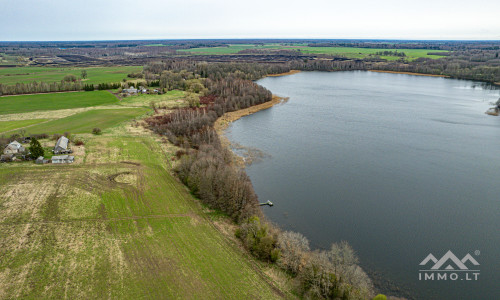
[
  {"x": 409, "y": 73},
  {"x": 223, "y": 122},
  {"x": 226, "y": 119},
  {"x": 291, "y": 72}
]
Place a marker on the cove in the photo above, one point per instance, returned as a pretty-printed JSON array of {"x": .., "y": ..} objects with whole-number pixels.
[{"x": 400, "y": 166}]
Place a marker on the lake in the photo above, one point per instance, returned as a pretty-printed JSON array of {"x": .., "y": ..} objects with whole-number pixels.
[{"x": 400, "y": 166}]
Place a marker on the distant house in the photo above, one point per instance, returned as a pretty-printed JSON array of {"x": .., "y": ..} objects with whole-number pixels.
[
  {"x": 14, "y": 148},
  {"x": 130, "y": 91},
  {"x": 41, "y": 160},
  {"x": 62, "y": 146},
  {"x": 63, "y": 159}
]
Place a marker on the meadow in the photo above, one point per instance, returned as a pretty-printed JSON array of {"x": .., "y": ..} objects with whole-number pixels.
[
  {"x": 85, "y": 121},
  {"x": 11, "y": 125},
  {"x": 115, "y": 224},
  {"x": 95, "y": 75},
  {"x": 349, "y": 52},
  {"x": 54, "y": 101}
]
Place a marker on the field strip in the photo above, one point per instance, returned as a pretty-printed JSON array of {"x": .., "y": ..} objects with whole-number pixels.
[
  {"x": 192, "y": 215},
  {"x": 55, "y": 114}
]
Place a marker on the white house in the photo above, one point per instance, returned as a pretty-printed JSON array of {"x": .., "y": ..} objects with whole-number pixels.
[{"x": 14, "y": 148}]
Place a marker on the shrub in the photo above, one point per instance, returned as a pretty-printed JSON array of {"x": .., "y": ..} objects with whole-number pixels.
[
  {"x": 380, "y": 297},
  {"x": 294, "y": 249},
  {"x": 96, "y": 131},
  {"x": 56, "y": 136},
  {"x": 79, "y": 143},
  {"x": 69, "y": 78},
  {"x": 40, "y": 136},
  {"x": 259, "y": 240}
]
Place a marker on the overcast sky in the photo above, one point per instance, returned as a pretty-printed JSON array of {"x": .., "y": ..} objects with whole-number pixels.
[{"x": 42, "y": 20}]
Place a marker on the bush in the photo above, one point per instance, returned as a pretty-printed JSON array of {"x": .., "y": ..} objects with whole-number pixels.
[
  {"x": 259, "y": 240},
  {"x": 56, "y": 136},
  {"x": 96, "y": 131},
  {"x": 40, "y": 136},
  {"x": 294, "y": 250},
  {"x": 380, "y": 297},
  {"x": 79, "y": 143},
  {"x": 69, "y": 78}
]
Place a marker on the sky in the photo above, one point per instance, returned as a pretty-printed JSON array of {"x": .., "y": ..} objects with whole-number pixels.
[{"x": 60, "y": 20}]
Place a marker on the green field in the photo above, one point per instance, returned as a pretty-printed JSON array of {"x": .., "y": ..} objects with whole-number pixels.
[
  {"x": 40, "y": 102},
  {"x": 11, "y": 125},
  {"x": 349, "y": 52},
  {"x": 84, "y": 122},
  {"x": 52, "y": 74},
  {"x": 115, "y": 224}
]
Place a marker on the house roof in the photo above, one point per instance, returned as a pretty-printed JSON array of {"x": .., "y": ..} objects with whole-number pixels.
[
  {"x": 14, "y": 145},
  {"x": 62, "y": 142}
]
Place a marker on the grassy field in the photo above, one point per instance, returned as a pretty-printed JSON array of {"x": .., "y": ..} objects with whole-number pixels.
[
  {"x": 11, "y": 125},
  {"x": 349, "y": 52},
  {"x": 52, "y": 74},
  {"x": 40, "y": 102},
  {"x": 84, "y": 122},
  {"x": 115, "y": 224}
]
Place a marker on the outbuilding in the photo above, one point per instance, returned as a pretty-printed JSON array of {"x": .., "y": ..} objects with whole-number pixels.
[
  {"x": 62, "y": 146},
  {"x": 63, "y": 159}
]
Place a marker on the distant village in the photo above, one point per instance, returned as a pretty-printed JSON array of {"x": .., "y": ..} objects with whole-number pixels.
[{"x": 15, "y": 151}]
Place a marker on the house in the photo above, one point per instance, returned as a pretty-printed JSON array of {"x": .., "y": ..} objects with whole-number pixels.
[
  {"x": 62, "y": 146},
  {"x": 7, "y": 157},
  {"x": 130, "y": 91},
  {"x": 63, "y": 159},
  {"x": 14, "y": 148},
  {"x": 41, "y": 160}
]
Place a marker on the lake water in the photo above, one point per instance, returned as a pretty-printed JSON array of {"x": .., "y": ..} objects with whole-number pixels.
[{"x": 399, "y": 166}]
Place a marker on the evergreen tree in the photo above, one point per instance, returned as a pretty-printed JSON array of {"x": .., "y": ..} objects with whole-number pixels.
[{"x": 35, "y": 149}]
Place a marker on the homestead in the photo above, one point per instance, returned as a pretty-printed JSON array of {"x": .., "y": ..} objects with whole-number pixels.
[{"x": 61, "y": 146}]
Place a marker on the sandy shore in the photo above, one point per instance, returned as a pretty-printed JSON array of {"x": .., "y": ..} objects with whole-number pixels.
[
  {"x": 226, "y": 119},
  {"x": 291, "y": 72},
  {"x": 409, "y": 73}
]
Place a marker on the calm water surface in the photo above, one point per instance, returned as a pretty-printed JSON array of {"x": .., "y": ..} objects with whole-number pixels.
[{"x": 399, "y": 166}]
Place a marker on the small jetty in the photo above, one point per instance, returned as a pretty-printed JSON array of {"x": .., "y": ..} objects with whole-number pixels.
[{"x": 266, "y": 203}]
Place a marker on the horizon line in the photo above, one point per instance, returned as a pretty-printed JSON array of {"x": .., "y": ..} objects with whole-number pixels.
[{"x": 232, "y": 38}]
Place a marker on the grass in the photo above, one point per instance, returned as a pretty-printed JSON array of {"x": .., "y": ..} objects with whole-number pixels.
[
  {"x": 116, "y": 224},
  {"x": 40, "y": 102},
  {"x": 145, "y": 99},
  {"x": 349, "y": 52},
  {"x": 52, "y": 74},
  {"x": 12, "y": 125},
  {"x": 84, "y": 122}
]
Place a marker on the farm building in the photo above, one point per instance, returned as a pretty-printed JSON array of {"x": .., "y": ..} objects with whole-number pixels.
[
  {"x": 130, "y": 91},
  {"x": 63, "y": 159},
  {"x": 41, "y": 160},
  {"x": 14, "y": 148},
  {"x": 7, "y": 157},
  {"x": 62, "y": 146}
]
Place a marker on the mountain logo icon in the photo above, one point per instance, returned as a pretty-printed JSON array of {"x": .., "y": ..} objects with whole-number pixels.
[{"x": 449, "y": 261}]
